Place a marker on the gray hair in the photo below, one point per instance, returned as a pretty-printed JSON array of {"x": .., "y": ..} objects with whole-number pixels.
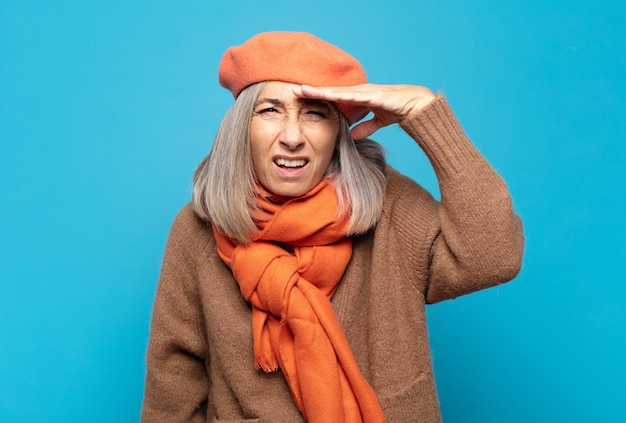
[{"x": 223, "y": 184}]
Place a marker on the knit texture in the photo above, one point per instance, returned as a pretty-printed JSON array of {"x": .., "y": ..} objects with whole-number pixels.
[
  {"x": 200, "y": 359},
  {"x": 295, "y": 57}
]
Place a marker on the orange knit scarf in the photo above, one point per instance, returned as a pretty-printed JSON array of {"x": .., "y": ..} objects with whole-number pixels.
[{"x": 294, "y": 324}]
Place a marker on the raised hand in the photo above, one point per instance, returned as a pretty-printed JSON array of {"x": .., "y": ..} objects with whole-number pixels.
[{"x": 389, "y": 103}]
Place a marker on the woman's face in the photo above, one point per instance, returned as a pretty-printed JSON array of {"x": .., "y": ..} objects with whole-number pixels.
[{"x": 292, "y": 139}]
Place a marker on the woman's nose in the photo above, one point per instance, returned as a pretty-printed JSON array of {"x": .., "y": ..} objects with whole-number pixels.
[{"x": 291, "y": 136}]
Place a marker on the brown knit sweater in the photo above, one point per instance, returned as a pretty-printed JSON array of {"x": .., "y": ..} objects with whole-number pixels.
[{"x": 200, "y": 363}]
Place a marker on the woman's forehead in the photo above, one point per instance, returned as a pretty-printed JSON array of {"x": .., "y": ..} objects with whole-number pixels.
[{"x": 278, "y": 92}]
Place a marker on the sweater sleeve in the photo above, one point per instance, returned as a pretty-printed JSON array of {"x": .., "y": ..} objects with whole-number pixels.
[
  {"x": 176, "y": 386},
  {"x": 476, "y": 239}
]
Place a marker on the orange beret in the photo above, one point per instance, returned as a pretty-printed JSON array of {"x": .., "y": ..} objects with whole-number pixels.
[{"x": 295, "y": 57}]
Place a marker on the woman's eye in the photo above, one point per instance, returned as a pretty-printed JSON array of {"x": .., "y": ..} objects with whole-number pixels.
[
  {"x": 268, "y": 113},
  {"x": 315, "y": 115},
  {"x": 268, "y": 110}
]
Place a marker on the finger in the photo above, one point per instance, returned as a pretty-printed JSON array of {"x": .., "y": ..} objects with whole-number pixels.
[
  {"x": 357, "y": 95},
  {"x": 309, "y": 90},
  {"x": 364, "y": 129}
]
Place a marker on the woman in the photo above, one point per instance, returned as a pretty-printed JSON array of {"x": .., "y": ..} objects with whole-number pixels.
[{"x": 294, "y": 286}]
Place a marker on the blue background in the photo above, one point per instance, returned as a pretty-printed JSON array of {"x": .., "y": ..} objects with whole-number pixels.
[{"x": 107, "y": 107}]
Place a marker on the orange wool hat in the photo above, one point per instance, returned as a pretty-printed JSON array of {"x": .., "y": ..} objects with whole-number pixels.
[{"x": 295, "y": 57}]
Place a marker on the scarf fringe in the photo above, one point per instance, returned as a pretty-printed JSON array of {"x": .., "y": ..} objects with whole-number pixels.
[{"x": 267, "y": 363}]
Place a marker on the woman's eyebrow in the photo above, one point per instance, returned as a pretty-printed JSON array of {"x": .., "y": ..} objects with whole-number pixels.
[
  {"x": 309, "y": 102},
  {"x": 273, "y": 101},
  {"x": 315, "y": 102}
]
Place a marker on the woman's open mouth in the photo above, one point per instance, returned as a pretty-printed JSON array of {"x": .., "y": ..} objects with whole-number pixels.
[{"x": 284, "y": 163}]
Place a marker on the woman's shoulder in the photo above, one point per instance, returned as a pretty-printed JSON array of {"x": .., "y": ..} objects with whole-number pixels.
[
  {"x": 402, "y": 188},
  {"x": 189, "y": 230},
  {"x": 186, "y": 219},
  {"x": 407, "y": 204}
]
